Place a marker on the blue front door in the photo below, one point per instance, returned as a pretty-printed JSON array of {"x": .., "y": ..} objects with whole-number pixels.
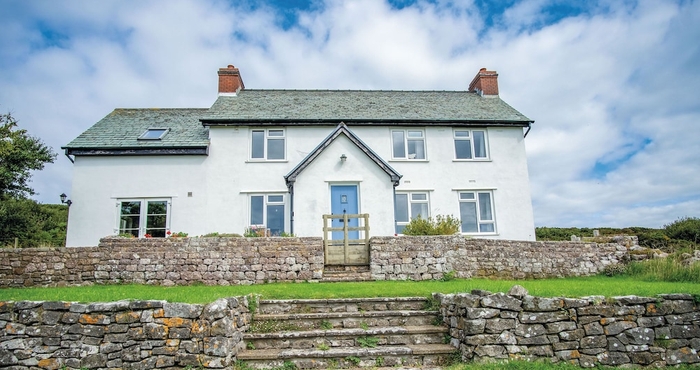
[{"x": 344, "y": 200}]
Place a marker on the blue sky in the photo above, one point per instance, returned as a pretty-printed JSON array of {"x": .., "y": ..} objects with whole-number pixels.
[{"x": 611, "y": 85}]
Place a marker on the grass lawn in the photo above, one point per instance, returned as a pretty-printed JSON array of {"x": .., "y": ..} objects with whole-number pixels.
[{"x": 568, "y": 287}]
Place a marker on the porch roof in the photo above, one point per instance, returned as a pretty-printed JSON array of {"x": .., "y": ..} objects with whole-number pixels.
[{"x": 342, "y": 129}]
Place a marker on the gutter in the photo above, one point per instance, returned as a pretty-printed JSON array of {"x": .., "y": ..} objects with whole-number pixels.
[{"x": 68, "y": 156}]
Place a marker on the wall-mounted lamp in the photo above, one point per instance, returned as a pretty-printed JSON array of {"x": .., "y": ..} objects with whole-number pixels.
[
  {"x": 343, "y": 157},
  {"x": 64, "y": 200}
]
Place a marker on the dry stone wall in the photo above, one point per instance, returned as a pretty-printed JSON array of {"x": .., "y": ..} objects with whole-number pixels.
[
  {"x": 428, "y": 257},
  {"x": 124, "y": 334},
  {"x": 629, "y": 330},
  {"x": 227, "y": 261},
  {"x": 171, "y": 261}
]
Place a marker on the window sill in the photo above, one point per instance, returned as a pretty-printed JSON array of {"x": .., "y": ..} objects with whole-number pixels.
[
  {"x": 409, "y": 160},
  {"x": 266, "y": 161},
  {"x": 480, "y": 234},
  {"x": 473, "y": 160}
]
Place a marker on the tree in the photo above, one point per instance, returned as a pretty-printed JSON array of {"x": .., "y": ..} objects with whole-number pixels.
[
  {"x": 20, "y": 153},
  {"x": 32, "y": 223}
]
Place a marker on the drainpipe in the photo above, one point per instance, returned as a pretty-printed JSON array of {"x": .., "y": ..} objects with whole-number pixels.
[
  {"x": 529, "y": 127},
  {"x": 290, "y": 186},
  {"x": 396, "y": 183}
]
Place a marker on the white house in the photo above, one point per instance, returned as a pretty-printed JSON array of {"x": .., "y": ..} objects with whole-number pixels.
[{"x": 284, "y": 158}]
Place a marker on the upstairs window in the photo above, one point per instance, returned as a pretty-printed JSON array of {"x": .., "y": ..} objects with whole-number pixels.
[
  {"x": 476, "y": 212},
  {"x": 408, "y": 144},
  {"x": 410, "y": 206},
  {"x": 470, "y": 144},
  {"x": 153, "y": 134},
  {"x": 268, "y": 144}
]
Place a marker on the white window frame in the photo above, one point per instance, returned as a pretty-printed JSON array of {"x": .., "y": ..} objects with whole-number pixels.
[
  {"x": 472, "y": 147},
  {"x": 406, "y": 139},
  {"x": 482, "y": 224},
  {"x": 143, "y": 215},
  {"x": 410, "y": 201},
  {"x": 267, "y": 137},
  {"x": 267, "y": 201}
]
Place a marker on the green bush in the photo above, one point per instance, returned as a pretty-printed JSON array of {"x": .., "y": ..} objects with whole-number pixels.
[
  {"x": 441, "y": 225},
  {"x": 687, "y": 228}
]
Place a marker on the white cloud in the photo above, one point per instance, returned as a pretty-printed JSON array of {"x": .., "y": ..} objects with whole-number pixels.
[{"x": 599, "y": 84}]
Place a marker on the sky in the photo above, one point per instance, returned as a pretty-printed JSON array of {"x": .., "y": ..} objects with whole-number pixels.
[{"x": 611, "y": 85}]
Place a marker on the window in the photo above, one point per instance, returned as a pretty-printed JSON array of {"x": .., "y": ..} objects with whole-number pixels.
[
  {"x": 268, "y": 211},
  {"x": 410, "y": 206},
  {"x": 470, "y": 144},
  {"x": 268, "y": 144},
  {"x": 476, "y": 212},
  {"x": 141, "y": 217},
  {"x": 408, "y": 144},
  {"x": 153, "y": 134}
]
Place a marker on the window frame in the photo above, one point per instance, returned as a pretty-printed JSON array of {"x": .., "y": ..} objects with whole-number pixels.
[
  {"x": 266, "y": 144},
  {"x": 478, "y": 211},
  {"x": 266, "y": 202},
  {"x": 406, "y": 139},
  {"x": 472, "y": 145},
  {"x": 410, "y": 201},
  {"x": 143, "y": 216},
  {"x": 145, "y": 135}
]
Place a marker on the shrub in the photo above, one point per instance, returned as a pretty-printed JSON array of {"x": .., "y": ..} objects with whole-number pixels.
[
  {"x": 441, "y": 225},
  {"x": 221, "y": 235},
  {"x": 615, "y": 269},
  {"x": 687, "y": 228}
]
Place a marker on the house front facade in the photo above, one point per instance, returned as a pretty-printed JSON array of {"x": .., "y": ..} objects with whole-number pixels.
[{"x": 281, "y": 159}]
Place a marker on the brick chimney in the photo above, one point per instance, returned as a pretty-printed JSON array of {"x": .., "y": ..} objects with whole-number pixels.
[
  {"x": 485, "y": 83},
  {"x": 230, "y": 81}
]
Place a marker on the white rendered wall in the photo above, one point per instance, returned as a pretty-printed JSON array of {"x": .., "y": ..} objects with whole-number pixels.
[
  {"x": 312, "y": 197},
  {"x": 221, "y": 183},
  {"x": 99, "y": 182}
]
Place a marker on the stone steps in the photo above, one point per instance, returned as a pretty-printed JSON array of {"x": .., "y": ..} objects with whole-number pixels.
[
  {"x": 340, "y": 305},
  {"x": 331, "y": 320},
  {"x": 346, "y": 357},
  {"x": 344, "y": 333},
  {"x": 346, "y": 273},
  {"x": 385, "y": 335}
]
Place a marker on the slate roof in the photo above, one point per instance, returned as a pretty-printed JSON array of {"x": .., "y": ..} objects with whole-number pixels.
[
  {"x": 361, "y": 107},
  {"x": 119, "y": 131}
]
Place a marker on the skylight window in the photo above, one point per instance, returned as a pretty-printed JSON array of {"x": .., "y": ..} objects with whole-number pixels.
[{"x": 153, "y": 134}]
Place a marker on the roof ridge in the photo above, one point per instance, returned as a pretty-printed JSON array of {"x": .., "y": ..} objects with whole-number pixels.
[
  {"x": 161, "y": 109},
  {"x": 355, "y": 90}
]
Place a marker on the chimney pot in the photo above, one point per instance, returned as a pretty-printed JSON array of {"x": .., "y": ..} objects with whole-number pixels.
[
  {"x": 230, "y": 81},
  {"x": 485, "y": 83}
]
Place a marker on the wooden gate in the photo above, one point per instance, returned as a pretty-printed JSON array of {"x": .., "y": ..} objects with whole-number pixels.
[{"x": 346, "y": 251}]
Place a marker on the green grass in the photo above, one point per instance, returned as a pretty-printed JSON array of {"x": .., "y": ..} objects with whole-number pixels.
[
  {"x": 532, "y": 365},
  {"x": 568, "y": 287},
  {"x": 664, "y": 269}
]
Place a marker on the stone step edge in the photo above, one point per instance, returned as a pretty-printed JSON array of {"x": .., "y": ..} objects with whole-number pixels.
[
  {"x": 343, "y": 300},
  {"x": 351, "y": 332},
  {"x": 343, "y": 315},
  {"x": 342, "y": 352}
]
